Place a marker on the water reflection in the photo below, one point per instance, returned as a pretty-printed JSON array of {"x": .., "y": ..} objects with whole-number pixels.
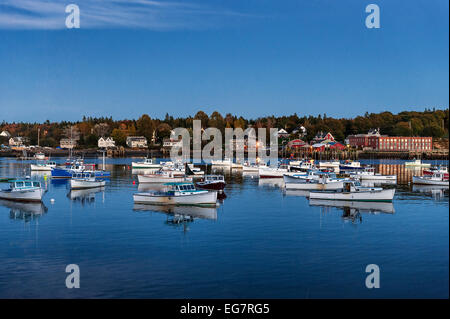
[
  {"x": 296, "y": 192},
  {"x": 271, "y": 182},
  {"x": 435, "y": 191},
  {"x": 179, "y": 215},
  {"x": 352, "y": 210},
  {"x": 24, "y": 211},
  {"x": 85, "y": 196}
]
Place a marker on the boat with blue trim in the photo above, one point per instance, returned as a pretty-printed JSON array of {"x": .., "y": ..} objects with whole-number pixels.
[
  {"x": 177, "y": 194},
  {"x": 23, "y": 190}
]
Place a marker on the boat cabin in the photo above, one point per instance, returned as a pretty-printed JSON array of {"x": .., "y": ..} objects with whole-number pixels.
[
  {"x": 213, "y": 178},
  {"x": 24, "y": 184},
  {"x": 180, "y": 188},
  {"x": 83, "y": 175}
]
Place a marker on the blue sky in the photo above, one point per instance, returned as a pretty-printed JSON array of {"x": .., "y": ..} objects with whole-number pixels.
[{"x": 248, "y": 57}]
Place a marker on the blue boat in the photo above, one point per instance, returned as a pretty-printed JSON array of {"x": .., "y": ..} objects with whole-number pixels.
[{"x": 67, "y": 172}]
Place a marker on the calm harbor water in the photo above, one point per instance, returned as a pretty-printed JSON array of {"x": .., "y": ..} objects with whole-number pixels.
[{"x": 261, "y": 242}]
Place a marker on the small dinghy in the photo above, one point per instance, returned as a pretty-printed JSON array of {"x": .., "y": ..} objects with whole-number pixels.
[
  {"x": 23, "y": 190},
  {"x": 213, "y": 182},
  {"x": 177, "y": 194},
  {"x": 85, "y": 180},
  {"x": 353, "y": 191}
]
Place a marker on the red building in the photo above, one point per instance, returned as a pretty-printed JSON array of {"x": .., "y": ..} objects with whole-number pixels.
[{"x": 376, "y": 141}]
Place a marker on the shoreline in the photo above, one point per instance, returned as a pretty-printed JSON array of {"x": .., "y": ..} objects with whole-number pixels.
[{"x": 436, "y": 154}]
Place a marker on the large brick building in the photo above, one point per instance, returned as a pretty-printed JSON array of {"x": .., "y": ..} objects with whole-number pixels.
[{"x": 375, "y": 141}]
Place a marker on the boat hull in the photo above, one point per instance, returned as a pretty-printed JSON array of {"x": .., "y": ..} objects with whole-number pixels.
[
  {"x": 67, "y": 173},
  {"x": 202, "y": 198},
  {"x": 428, "y": 181},
  {"x": 28, "y": 195},
  {"x": 385, "y": 195},
  {"x": 334, "y": 185},
  {"x": 213, "y": 186},
  {"x": 42, "y": 168},
  {"x": 144, "y": 165},
  {"x": 162, "y": 179},
  {"x": 80, "y": 184},
  {"x": 378, "y": 177}
]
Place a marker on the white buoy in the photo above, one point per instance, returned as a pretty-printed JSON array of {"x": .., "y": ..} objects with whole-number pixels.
[{"x": 52, "y": 200}]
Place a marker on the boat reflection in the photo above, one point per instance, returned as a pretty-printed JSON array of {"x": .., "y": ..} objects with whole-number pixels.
[
  {"x": 271, "y": 182},
  {"x": 84, "y": 196},
  {"x": 179, "y": 215},
  {"x": 296, "y": 192},
  {"x": 436, "y": 191},
  {"x": 352, "y": 210},
  {"x": 24, "y": 211}
]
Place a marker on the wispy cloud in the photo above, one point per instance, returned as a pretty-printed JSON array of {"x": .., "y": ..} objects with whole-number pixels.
[{"x": 145, "y": 14}]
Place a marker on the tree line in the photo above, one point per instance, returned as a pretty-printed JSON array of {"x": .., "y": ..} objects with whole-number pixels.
[{"x": 430, "y": 122}]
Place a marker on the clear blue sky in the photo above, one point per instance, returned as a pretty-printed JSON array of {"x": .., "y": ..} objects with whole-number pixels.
[{"x": 246, "y": 57}]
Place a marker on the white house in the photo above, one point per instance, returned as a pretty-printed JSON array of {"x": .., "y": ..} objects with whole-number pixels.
[
  {"x": 16, "y": 141},
  {"x": 5, "y": 134},
  {"x": 106, "y": 142},
  {"x": 67, "y": 143},
  {"x": 136, "y": 142},
  {"x": 283, "y": 133}
]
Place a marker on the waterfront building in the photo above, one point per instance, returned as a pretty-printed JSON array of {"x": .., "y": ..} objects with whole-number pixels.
[
  {"x": 374, "y": 140},
  {"x": 136, "y": 142},
  {"x": 5, "y": 134},
  {"x": 67, "y": 143},
  {"x": 17, "y": 141},
  {"x": 322, "y": 137},
  {"x": 106, "y": 142}
]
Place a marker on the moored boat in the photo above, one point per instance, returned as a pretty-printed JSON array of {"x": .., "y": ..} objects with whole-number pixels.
[
  {"x": 23, "y": 190},
  {"x": 369, "y": 174},
  {"x": 349, "y": 164},
  {"x": 147, "y": 163},
  {"x": 224, "y": 162},
  {"x": 177, "y": 194},
  {"x": 435, "y": 179},
  {"x": 213, "y": 182},
  {"x": 353, "y": 191},
  {"x": 416, "y": 163},
  {"x": 437, "y": 169},
  {"x": 162, "y": 177},
  {"x": 318, "y": 182},
  {"x": 85, "y": 180},
  {"x": 46, "y": 166}
]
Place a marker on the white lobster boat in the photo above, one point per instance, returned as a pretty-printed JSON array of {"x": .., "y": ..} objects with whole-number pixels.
[
  {"x": 85, "y": 180},
  {"x": 436, "y": 179},
  {"x": 417, "y": 163},
  {"x": 47, "y": 166},
  {"x": 369, "y": 174},
  {"x": 177, "y": 194},
  {"x": 352, "y": 191},
  {"x": 147, "y": 163},
  {"x": 23, "y": 190},
  {"x": 163, "y": 177},
  {"x": 275, "y": 172},
  {"x": 322, "y": 183},
  {"x": 334, "y": 165}
]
